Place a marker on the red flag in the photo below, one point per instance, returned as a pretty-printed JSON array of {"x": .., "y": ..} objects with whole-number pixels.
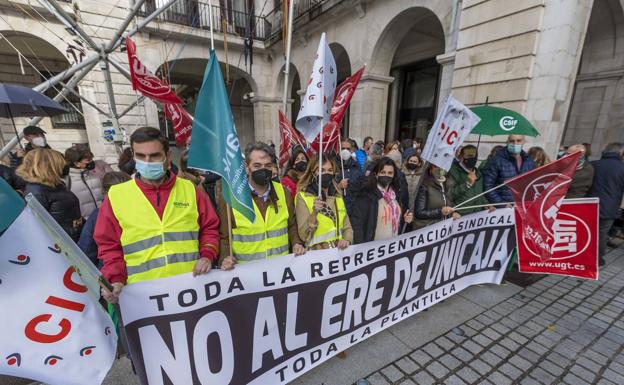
[
  {"x": 144, "y": 81},
  {"x": 182, "y": 122},
  {"x": 289, "y": 137},
  {"x": 575, "y": 248},
  {"x": 342, "y": 96},
  {"x": 331, "y": 139},
  {"x": 538, "y": 195}
]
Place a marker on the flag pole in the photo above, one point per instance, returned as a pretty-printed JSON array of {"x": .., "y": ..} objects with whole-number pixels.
[
  {"x": 229, "y": 216},
  {"x": 341, "y": 161},
  {"x": 291, "y": 6},
  {"x": 211, "y": 26},
  {"x": 480, "y": 195},
  {"x": 320, "y": 158}
]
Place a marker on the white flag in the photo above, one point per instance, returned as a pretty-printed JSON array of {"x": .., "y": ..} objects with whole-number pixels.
[
  {"x": 449, "y": 131},
  {"x": 53, "y": 328},
  {"x": 319, "y": 96}
]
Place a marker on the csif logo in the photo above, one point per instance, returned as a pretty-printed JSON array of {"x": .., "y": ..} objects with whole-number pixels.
[
  {"x": 181, "y": 205},
  {"x": 508, "y": 123}
]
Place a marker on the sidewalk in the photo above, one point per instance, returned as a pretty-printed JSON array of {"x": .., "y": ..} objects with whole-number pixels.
[{"x": 557, "y": 331}]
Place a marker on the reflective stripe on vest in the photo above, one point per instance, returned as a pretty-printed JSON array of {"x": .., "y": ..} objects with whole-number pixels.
[
  {"x": 264, "y": 238},
  {"x": 327, "y": 230},
  {"x": 155, "y": 248}
]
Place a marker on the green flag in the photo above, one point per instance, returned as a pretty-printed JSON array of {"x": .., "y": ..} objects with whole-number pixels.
[
  {"x": 11, "y": 205},
  {"x": 501, "y": 121},
  {"x": 214, "y": 141}
]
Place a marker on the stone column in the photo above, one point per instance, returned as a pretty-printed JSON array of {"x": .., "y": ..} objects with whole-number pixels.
[
  {"x": 447, "y": 64},
  {"x": 266, "y": 124},
  {"x": 395, "y": 98},
  {"x": 93, "y": 123},
  {"x": 369, "y": 107}
]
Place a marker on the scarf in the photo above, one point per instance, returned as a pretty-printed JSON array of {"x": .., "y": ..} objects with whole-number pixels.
[{"x": 392, "y": 212}]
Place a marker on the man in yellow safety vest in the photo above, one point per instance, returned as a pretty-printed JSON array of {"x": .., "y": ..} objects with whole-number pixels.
[
  {"x": 155, "y": 225},
  {"x": 274, "y": 232}
]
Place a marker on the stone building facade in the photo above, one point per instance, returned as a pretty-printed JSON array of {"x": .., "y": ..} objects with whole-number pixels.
[{"x": 559, "y": 62}]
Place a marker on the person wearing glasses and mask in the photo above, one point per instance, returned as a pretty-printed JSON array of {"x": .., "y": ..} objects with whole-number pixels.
[
  {"x": 433, "y": 200},
  {"x": 349, "y": 173},
  {"x": 323, "y": 221},
  {"x": 274, "y": 232},
  {"x": 156, "y": 225},
  {"x": 85, "y": 185},
  {"x": 378, "y": 213},
  {"x": 466, "y": 180}
]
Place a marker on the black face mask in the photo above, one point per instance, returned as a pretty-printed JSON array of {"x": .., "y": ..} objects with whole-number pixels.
[
  {"x": 470, "y": 163},
  {"x": 411, "y": 166},
  {"x": 128, "y": 167},
  {"x": 301, "y": 166},
  {"x": 384, "y": 181},
  {"x": 326, "y": 180},
  {"x": 262, "y": 177},
  {"x": 65, "y": 171},
  {"x": 90, "y": 166}
]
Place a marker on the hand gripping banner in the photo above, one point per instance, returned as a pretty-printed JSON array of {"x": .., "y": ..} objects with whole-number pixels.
[{"x": 269, "y": 322}]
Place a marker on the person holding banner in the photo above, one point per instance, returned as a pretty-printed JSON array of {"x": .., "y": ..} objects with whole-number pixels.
[
  {"x": 323, "y": 222},
  {"x": 274, "y": 232},
  {"x": 377, "y": 212},
  {"x": 466, "y": 180},
  {"x": 156, "y": 225},
  {"x": 433, "y": 200}
]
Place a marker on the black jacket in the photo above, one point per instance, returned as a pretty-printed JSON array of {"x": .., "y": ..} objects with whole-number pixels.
[
  {"x": 430, "y": 199},
  {"x": 8, "y": 174},
  {"x": 62, "y": 204},
  {"x": 608, "y": 184},
  {"x": 365, "y": 211}
]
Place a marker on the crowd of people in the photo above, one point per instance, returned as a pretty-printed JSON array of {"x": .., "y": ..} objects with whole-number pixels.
[{"x": 153, "y": 218}]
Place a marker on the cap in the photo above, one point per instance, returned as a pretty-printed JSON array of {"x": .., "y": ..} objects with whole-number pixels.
[{"x": 33, "y": 130}]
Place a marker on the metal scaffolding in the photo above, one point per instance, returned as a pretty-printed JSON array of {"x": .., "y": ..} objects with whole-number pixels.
[{"x": 100, "y": 54}]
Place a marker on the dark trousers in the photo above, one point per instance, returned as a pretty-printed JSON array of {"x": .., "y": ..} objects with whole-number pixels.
[{"x": 604, "y": 225}]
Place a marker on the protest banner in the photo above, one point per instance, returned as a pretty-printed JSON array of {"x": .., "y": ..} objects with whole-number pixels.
[
  {"x": 574, "y": 244},
  {"x": 268, "y": 322},
  {"x": 54, "y": 329}
]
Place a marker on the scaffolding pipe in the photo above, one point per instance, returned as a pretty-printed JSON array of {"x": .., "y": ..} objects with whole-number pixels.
[
  {"x": 34, "y": 121},
  {"x": 131, "y": 106},
  {"x": 60, "y": 13},
  {"x": 101, "y": 111},
  {"x": 135, "y": 9},
  {"x": 88, "y": 61}
]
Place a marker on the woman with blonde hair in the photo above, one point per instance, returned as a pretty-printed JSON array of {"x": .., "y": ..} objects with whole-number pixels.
[
  {"x": 323, "y": 222},
  {"x": 539, "y": 156},
  {"x": 43, "y": 171}
]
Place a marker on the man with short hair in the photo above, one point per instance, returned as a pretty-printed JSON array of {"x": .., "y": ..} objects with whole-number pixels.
[
  {"x": 608, "y": 185},
  {"x": 466, "y": 180},
  {"x": 35, "y": 136},
  {"x": 156, "y": 225},
  {"x": 352, "y": 172},
  {"x": 507, "y": 163},
  {"x": 274, "y": 231}
]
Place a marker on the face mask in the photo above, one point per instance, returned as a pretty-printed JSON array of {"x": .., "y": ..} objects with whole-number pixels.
[
  {"x": 65, "y": 171},
  {"x": 470, "y": 163},
  {"x": 39, "y": 141},
  {"x": 514, "y": 148},
  {"x": 384, "y": 181},
  {"x": 262, "y": 177},
  {"x": 150, "y": 170},
  {"x": 439, "y": 173},
  {"x": 345, "y": 154},
  {"x": 411, "y": 166},
  {"x": 326, "y": 180},
  {"x": 128, "y": 168},
  {"x": 301, "y": 166},
  {"x": 90, "y": 166}
]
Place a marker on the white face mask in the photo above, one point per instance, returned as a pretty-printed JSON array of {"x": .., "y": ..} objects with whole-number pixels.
[
  {"x": 345, "y": 154},
  {"x": 39, "y": 141}
]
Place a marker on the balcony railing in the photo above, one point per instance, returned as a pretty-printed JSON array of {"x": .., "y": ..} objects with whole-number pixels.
[
  {"x": 303, "y": 10},
  {"x": 196, "y": 14}
]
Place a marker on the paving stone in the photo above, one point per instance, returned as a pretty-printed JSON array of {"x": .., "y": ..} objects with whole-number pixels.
[
  {"x": 520, "y": 362},
  {"x": 468, "y": 375},
  {"x": 454, "y": 380},
  {"x": 378, "y": 379},
  {"x": 407, "y": 365},
  {"x": 583, "y": 373},
  {"x": 463, "y": 354},
  {"x": 472, "y": 347},
  {"x": 491, "y": 359},
  {"x": 551, "y": 368},
  {"x": 392, "y": 373},
  {"x": 596, "y": 357},
  {"x": 423, "y": 378},
  {"x": 518, "y": 338},
  {"x": 589, "y": 364},
  {"x": 449, "y": 361},
  {"x": 482, "y": 340},
  {"x": 542, "y": 376},
  {"x": 421, "y": 357},
  {"x": 445, "y": 343},
  {"x": 509, "y": 344},
  {"x": 613, "y": 376},
  {"x": 510, "y": 371},
  {"x": 604, "y": 381},
  {"x": 529, "y": 381},
  {"x": 572, "y": 379},
  {"x": 559, "y": 359},
  {"x": 499, "y": 379},
  {"x": 437, "y": 370},
  {"x": 433, "y": 350},
  {"x": 480, "y": 366}
]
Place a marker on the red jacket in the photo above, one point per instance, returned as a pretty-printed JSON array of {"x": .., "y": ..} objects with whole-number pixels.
[{"x": 107, "y": 232}]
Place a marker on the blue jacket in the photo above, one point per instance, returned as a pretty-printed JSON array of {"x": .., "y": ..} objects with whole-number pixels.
[
  {"x": 353, "y": 173},
  {"x": 361, "y": 157},
  {"x": 500, "y": 168},
  {"x": 86, "y": 242},
  {"x": 608, "y": 184}
]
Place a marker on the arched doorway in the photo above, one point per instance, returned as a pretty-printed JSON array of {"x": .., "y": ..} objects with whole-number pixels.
[
  {"x": 343, "y": 71},
  {"x": 40, "y": 61},
  {"x": 595, "y": 114},
  {"x": 186, "y": 75},
  {"x": 407, "y": 51}
]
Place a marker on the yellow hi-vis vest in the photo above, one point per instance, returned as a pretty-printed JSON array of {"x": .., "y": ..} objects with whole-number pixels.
[
  {"x": 265, "y": 237},
  {"x": 153, "y": 248},
  {"x": 327, "y": 230}
]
